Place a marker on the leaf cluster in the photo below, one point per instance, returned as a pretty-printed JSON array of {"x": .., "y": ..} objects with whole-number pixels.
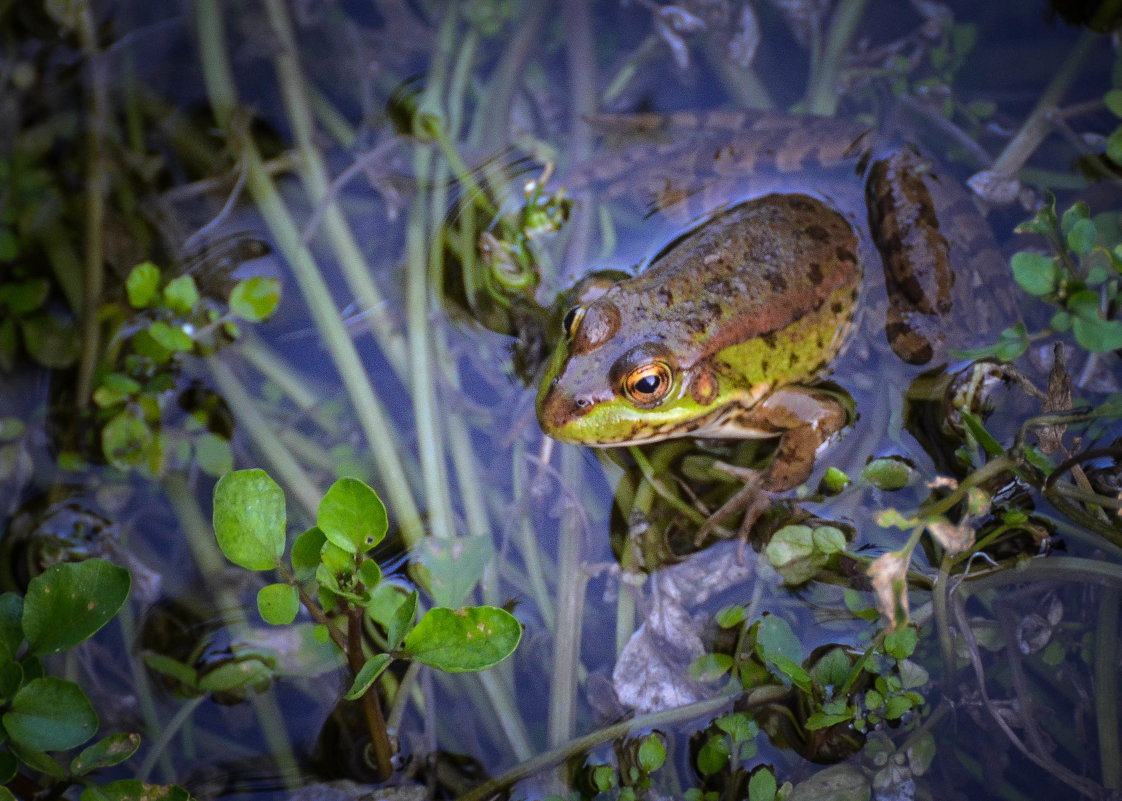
[
  {"x": 167, "y": 319},
  {"x": 336, "y": 579},
  {"x": 43, "y": 715}
]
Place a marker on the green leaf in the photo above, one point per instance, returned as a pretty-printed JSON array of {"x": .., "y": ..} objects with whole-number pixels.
[
  {"x": 829, "y": 540},
  {"x": 710, "y": 667},
  {"x": 762, "y": 786},
  {"x": 1072, "y": 215},
  {"x": 1081, "y": 237},
  {"x": 69, "y": 601},
  {"x": 887, "y": 473},
  {"x": 369, "y": 673},
  {"x": 832, "y": 670},
  {"x": 454, "y": 566},
  {"x": 824, "y": 720},
  {"x": 37, "y": 760},
  {"x": 51, "y": 341},
  {"x": 9, "y": 245},
  {"x": 731, "y": 616},
  {"x": 134, "y": 790},
  {"x": 401, "y": 620},
  {"x": 214, "y": 455},
  {"x": 50, "y": 714},
  {"x": 306, "y": 553},
  {"x": 278, "y": 603},
  {"x": 457, "y": 640},
  {"x": 791, "y": 552},
  {"x": 249, "y": 519},
  {"x": 180, "y": 294},
  {"x": 113, "y": 750},
  {"x": 1097, "y": 335},
  {"x": 1113, "y": 101},
  {"x": 774, "y": 639},
  {"x": 1114, "y": 145},
  {"x": 126, "y": 440},
  {"x": 179, "y": 671},
  {"x": 1044, "y": 222},
  {"x": 652, "y": 753},
  {"x": 1035, "y": 273},
  {"x": 369, "y": 574},
  {"x": 115, "y": 388},
  {"x": 11, "y": 678},
  {"x": 713, "y": 757},
  {"x": 23, "y": 297},
  {"x": 142, "y": 284},
  {"x": 791, "y": 670},
  {"x": 237, "y": 675},
  {"x": 834, "y": 481},
  {"x": 173, "y": 338},
  {"x": 901, "y": 643},
  {"x": 255, "y": 298},
  {"x": 897, "y": 706},
  {"x": 352, "y": 516}
]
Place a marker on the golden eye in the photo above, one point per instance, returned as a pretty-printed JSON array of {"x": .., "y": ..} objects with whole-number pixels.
[
  {"x": 648, "y": 383},
  {"x": 571, "y": 320}
]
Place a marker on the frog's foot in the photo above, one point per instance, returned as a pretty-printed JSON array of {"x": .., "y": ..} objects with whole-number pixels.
[{"x": 751, "y": 498}]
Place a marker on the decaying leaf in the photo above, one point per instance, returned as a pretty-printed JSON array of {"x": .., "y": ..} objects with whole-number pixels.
[{"x": 889, "y": 576}]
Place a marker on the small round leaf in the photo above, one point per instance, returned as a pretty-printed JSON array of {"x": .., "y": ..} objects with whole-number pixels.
[
  {"x": 458, "y": 640},
  {"x": 50, "y": 714},
  {"x": 249, "y": 519},
  {"x": 69, "y": 601},
  {"x": 278, "y": 603},
  {"x": 352, "y": 516}
]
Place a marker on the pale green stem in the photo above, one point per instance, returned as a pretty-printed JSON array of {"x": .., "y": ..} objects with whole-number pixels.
[
  {"x": 143, "y": 688},
  {"x": 314, "y": 175},
  {"x": 570, "y": 612},
  {"x": 282, "y": 464},
  {"x": 1036, "y": 127},
  {"x": 371, "y": 418},
  {"x": 159, "y": 748},
  {"x": 1106, "y": 688},
  {"x": 97, "y": 179},
  {"x": 823, "y": 92},
  {"x": 558, "y": 754},
  {"x": 506, "y": 712}
]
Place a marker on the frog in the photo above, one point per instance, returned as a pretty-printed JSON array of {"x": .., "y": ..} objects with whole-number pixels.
[{"x": 730, "y": 329}]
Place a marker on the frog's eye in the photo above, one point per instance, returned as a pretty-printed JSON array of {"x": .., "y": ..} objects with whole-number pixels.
[
  {"x": 571, "y": 320},
  {"x": 648, "y": 383}
]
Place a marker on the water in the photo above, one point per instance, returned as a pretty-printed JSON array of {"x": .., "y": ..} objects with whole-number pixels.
[{"x": 391, "y": 359}]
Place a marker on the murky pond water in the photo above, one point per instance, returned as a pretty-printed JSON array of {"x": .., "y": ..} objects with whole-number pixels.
[{"x": 898, "y": 579}]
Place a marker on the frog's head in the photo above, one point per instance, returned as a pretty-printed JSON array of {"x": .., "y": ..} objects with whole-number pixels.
[{"x": 607, "y": 386}]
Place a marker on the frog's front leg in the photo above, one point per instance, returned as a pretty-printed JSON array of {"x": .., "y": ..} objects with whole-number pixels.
[{"x": 804, "y": 419}]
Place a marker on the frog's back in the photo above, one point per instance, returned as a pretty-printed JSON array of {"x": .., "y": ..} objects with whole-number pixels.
[{"x": 773, "y": 275}]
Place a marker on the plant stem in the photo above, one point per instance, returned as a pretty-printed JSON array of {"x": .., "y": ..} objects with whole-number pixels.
[
  {"x": 314, "y": 176},
  {"x": 823, "y": 93},
  {"x": 371, "y": 708},
  {"x": 280, "y": 459},
  {"x": 560, "y": 753},
  {"x": 570, "y": 612},
  {"x": 1106, "y": 687},
  {"x": 97, "y": 178},
  {"x": 372, "y": 419},
  {"x": 1036, "y": 127}
]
